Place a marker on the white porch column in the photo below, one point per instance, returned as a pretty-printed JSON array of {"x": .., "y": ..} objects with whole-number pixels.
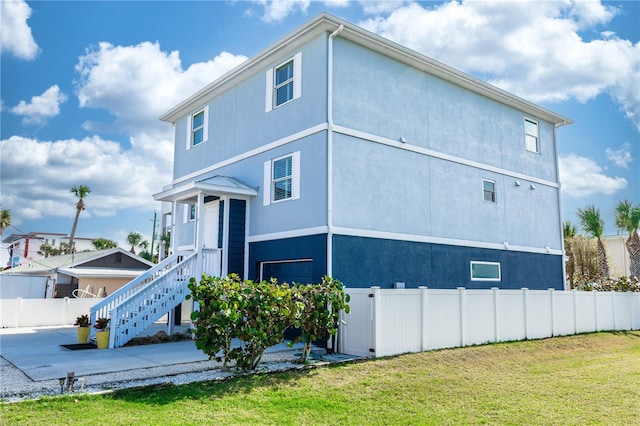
[
  {"x": 172, "y": 241},
  {"x": 199, "y": 237},
  {"x": 225, "y": 237}
]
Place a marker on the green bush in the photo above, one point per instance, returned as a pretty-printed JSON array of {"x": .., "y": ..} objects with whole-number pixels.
[
  {"x": 621, "y": 284},
  {"x": 258, "y": 313},
  {"x": 318, "y": 308}
]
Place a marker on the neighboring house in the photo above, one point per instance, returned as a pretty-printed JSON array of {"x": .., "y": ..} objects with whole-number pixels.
[
  {"x": 25, "y": 248},
  {"x": 618, "y": 255},
  {"x": 94, "y": 272},
  {"x": 336, "y": 151}
]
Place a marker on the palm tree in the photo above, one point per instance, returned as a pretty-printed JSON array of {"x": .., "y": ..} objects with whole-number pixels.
[
  {"x": 628, "y": 218},
  {"x": 593, "y": 224},
  {"x": 81, "y": 193},
  {"x": 134, "y": 239},
  {"x": 103, "y": 244},
  {"x": 569, "y": 232},
  {"x": 5, "y": 220}
]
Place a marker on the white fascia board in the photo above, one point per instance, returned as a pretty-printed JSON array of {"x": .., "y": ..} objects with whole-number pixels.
[{"x": 192, "y": 189}]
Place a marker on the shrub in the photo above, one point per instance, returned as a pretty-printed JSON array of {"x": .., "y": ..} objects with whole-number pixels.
[
  {"x": 318, "y": 308},
  {"x": 621, "y": 284}
]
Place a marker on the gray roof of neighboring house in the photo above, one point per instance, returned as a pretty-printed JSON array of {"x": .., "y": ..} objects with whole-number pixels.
[{"x": 51, "y": 264}]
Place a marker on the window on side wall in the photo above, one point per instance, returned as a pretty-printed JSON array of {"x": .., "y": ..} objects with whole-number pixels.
[
  {"x": 198, "y": 127},
  {"x": 485, "y": 271},
  {"x": 489, "y": 190},
  {"x": 282, "y": 179},
  {"x": 532, "y": 141},
  {"x": 284, "y": 83}
]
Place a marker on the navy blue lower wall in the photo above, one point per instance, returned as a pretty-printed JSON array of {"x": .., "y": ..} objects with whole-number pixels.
[
  {"x": 310, "y": 247},
  {"x": 365, "y": 262}
]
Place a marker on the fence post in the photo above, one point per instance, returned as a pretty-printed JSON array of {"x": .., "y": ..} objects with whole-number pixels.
[
  {"x": 65, "y": 308},
  {"x": 525, "y": 302},
  {"x": 376, "y": 320},
  {"x": 575, "y": 311},
  {"x": 552, "y": 296},
  {"x": 613, "y": 309},
  {"x": 496, "y": 314},
  {"x": 461, "y": 294},
  {"x": 629, "y": 300},
  {"x": 423, "y": 294},
  {"x": 595, "y": 308}
]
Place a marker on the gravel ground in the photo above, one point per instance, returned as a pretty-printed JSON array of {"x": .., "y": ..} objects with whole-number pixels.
[{"x": 16, "y": 386}]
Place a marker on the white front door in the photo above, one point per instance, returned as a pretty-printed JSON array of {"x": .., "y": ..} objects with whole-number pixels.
[{"x": 210, "y": 226}]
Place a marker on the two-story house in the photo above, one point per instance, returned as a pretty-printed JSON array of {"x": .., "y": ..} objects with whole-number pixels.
[{"x": 336, "y": 151}]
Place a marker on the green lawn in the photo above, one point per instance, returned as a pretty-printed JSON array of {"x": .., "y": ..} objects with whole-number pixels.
[{"x": 586, "y": 379}]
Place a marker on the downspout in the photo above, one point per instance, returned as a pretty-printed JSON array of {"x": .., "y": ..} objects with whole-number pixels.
[
  {"x": 330, "y": 150},
  {"x": 555, "y": 147}
]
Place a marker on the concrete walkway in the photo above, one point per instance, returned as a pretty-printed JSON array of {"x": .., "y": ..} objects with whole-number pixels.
[{"x": 38, "y": 353}]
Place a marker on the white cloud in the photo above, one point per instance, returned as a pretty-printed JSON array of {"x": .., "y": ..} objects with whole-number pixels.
[
  {"x": 582, "y": 176},
  {"x": 534, "y": 52},
  {"x": 15, "y": 33},
  {"x": 133, "y": 83},
  {"x": 118, "y": 178},
  {"x": 620, "y": 157},
  {"x": 138, "y": 83},
  {"x": 277, "y": 10},
  {"x": 374, "y": 7},
  {"x": 41, "y": 107}
]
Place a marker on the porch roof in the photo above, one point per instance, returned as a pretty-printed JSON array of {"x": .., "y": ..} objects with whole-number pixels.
[{"x": 216, "y": 185}]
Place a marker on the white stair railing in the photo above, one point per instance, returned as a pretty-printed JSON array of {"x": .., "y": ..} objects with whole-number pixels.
[
  {"x": 103, "y": 308},
  {"x": 134, "y": 307},
  {"x": 140, "y": 310}
]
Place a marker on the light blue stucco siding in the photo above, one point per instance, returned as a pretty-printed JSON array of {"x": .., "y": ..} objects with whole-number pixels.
[
  {"x": 379, "y": 95},
  {"x": 237, "y": 118},
  {"x": 385, "y": 188}
]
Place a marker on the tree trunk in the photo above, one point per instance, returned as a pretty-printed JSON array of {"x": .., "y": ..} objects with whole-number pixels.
[
  {"x": 73, "y": 232},
  {"x": 603, "y": 265},
  {"x": 633, "y": 247},
  {"x": 571, "y": 263}
]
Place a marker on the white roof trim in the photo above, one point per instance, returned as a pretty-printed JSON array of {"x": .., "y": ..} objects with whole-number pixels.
[{"x": 192, "y": 189}]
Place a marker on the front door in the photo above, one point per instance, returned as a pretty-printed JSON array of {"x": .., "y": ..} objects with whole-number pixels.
[{"x": 210, "y": 226}]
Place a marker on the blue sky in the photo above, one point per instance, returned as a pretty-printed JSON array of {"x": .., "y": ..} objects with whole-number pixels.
[{"x": 82, "y": 85}]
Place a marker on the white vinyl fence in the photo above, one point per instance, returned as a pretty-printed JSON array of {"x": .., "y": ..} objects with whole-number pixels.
[
  {"x": 21, "y": 312},
  {"x": 385, "y": 322}
]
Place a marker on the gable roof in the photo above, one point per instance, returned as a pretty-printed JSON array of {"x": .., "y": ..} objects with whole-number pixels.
[
  {"x": 51, "y": 264},
  {"x": 329, "y": 23}
]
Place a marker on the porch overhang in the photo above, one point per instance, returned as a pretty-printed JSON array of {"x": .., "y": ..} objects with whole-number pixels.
[{"x": 215, "y": 186}]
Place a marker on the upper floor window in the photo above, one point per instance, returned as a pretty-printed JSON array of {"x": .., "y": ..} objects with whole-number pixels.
[
  {"x": 189, "y": 213},
  {"x": 198, "y": 127},
  {"x": 489, "y": 190},
  {"x": 282, "y": 178},
  {"x": 485, "y": 271},
  {"x": 531, "y": 135},
  {"x": 284, "y": 83}
]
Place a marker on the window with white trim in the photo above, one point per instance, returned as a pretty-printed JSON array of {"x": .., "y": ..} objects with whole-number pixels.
[
  {"x": 489, "y": 190},
  {"x": 198, "y": 127},
  {"x": 189, "y": 213},
  {"x": 531, "y": 135},
  {"x": 485, "y": 271},
  {"x": 282, "y": 179},
  {"x": 284, "y": 83}
]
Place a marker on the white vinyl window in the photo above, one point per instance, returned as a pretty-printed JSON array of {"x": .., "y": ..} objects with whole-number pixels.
[
  {"x": 198, "y": 127},
  {"x": 189, "y": 213},
  {"x": 531, "y": 135},
  {"x": 284, "y": 83},
  {"x": 485, "y": 271},
  {"x": 282, "y": 179},
  {"x": 489, "y": 190}
]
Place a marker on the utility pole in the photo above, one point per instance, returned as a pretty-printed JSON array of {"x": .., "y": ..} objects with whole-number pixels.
[{"x": 153, "y": 235}]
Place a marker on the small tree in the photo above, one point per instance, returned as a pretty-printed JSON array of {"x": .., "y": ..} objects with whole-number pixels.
[
  {"x": 135, "y": 240},
  {"x": 103, "y": 244},
  {"x": 569, "y": 231},
  {"x": 593, "y": 224},
  {"x": 5, "y": 220},
  {"x": 81, "y": 193},
  {"x": 627, "y": 217}
]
